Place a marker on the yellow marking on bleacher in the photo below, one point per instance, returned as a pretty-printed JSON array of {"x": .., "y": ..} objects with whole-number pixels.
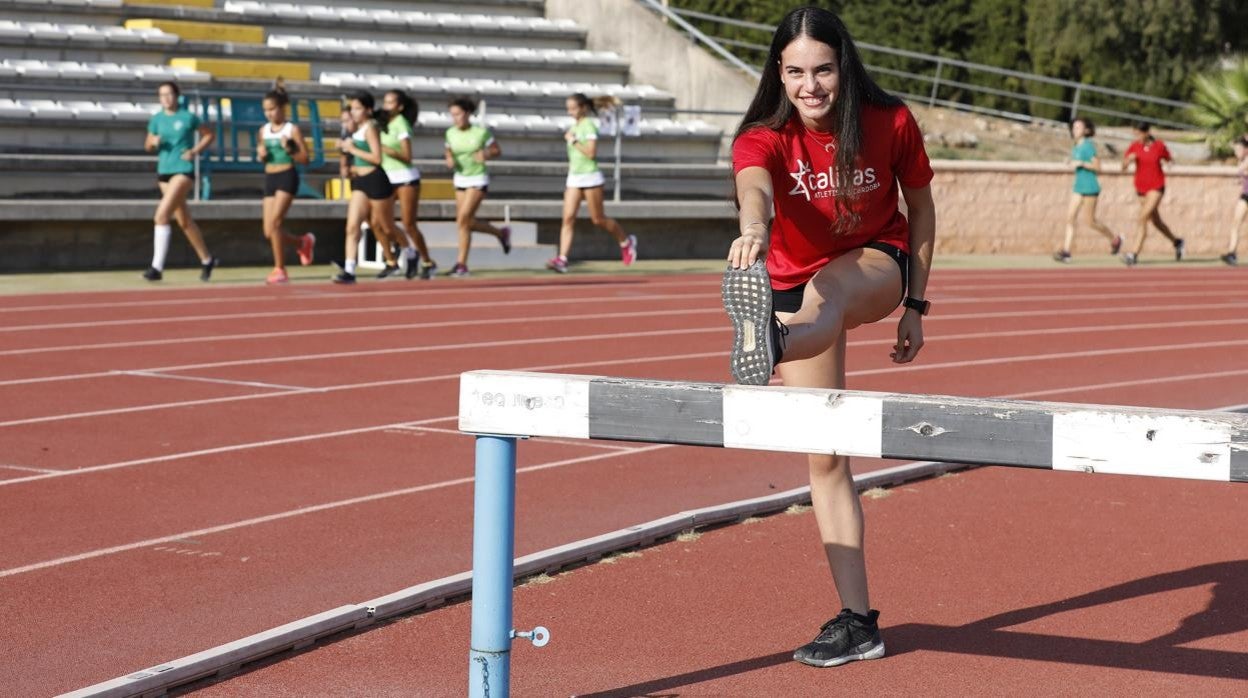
[
  {"x": 329, "y": 108},
  {"x": 237, "y": 68},
  {"x": 430, "y": 189},
  {"x": 173, "y": 3},
  {"x": 202, "y": 31}
]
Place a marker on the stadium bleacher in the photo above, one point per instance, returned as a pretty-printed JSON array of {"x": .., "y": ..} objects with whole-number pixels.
[{"x": 94, "y": 64}]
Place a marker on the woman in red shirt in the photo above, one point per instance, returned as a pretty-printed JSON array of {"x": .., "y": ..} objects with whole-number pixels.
[
  {"x": 1150, "y": 185},
  {"x": 820, "y": 159}
]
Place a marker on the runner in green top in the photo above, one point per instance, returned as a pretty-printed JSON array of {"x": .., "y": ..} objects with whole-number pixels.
[
  {"x": 177, "y": 137},
  {"x": 372, "y": 196},
  {"x": 468, "y": 147},
  {"x": 585, "y": 181},
  {"x": 1085, "y": 163},
  {"x": 280, "y": 147},
  {"x": 401, "y": 112}
]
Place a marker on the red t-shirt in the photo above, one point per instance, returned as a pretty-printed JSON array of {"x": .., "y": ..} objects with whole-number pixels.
[
  {"x": 1148, "y": 174},
  {"x": 803, "y": 185}
]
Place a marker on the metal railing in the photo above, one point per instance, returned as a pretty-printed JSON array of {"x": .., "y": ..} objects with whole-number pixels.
[{"x": 925, "y": 84}]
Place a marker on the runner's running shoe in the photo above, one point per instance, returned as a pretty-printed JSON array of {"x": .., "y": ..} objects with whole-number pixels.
[
  {"x": 1230, "y": 258},
  {"x": 413, "y": 267},
  {"x": 558, "y": 264},
  {"x": 459, "y": 271},
  {"x": 205, "y": 269},
  {"x": 1129, "y": 259},
  {"x": 153, "y": 274},
  {"x": 1180, "y": 247},
  {"x": 428, "y": 270},
  {"x": 277, "y": 276},
  {"x": 1115, "y": 245},
  {"x": 628, "y": 251},
  {"x": 846, "y": 638},
  {"x": 389, "y": 271},
  {"x": 757, "y": 334},
  {"x": 504, "y": 238},
  {"x": 307, "y": 247},
  {"x": 344, "y": 278},
  {"x": 1062, "y": 256}
]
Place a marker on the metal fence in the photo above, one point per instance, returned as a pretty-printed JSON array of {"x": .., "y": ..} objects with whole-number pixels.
[{"x": 948, "y": 82}]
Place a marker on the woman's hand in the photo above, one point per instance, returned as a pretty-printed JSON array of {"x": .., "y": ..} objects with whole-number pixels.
[
  {"x": 262, "y": 153},
  {"x": 569, "y": 136},
  {"x": 909, "y": 337},
  {"x": 190, "y": 155},
  {"x": 479, "y": 156},
  {"x": 750, "y": 247}
]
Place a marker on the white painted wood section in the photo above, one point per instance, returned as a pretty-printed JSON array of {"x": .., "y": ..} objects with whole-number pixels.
[
  {"x": 803, "y": 420},
  {"x": 524, "y": 404},
  {"x": 1102, "y": 441}
]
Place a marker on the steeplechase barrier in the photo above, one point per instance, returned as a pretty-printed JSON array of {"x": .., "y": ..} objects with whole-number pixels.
[{"x": 499, "y": 407}]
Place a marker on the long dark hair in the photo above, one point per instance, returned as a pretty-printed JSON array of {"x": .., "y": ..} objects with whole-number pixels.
[
  {"x": 593, "y": 105},
  {"x": 407, "y": 107},
  {"x": 772, "y": 109}
]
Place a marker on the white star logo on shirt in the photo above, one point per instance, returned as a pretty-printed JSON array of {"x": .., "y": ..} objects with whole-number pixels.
[{"x": 803, "y": 169}]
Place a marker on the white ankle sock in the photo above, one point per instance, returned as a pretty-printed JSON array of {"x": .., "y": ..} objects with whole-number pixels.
[
  {"x": 349, "y": 267},
  {"x": 410, "y": 252},
  {"x": 160, "y": 245}
]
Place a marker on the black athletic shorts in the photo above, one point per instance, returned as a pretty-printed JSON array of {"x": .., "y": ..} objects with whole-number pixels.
[
  {"x": 166, "y": 178},
  {"x": 1244, "y": 196},
  {"x": 484, "y": 189},
  {"x": 286, "y": 180},
  {"x": 790, "y": 299},
  {"x": 375, "y": 185}
]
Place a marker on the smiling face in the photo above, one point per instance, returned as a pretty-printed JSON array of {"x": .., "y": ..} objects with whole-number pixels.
[{"x": 811, "y": 75}]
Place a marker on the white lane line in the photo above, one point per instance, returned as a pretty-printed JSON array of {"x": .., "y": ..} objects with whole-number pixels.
[
  {"x": 567, "y": 442},
  {"x": 356, "y": 330},
  {"x": 203, "y": 379},
  {"x": 1087, "y": 297},
  {"x": 1116, "y": 351},
  {"x": 303, "y": 511},
  {"x": 391, "y": 309},
  {"x": 358, "y": 353},
  {"x": 1134, "y": 383},
  {"x": 354, "y": 298},
  {"x": 27, "y": 469},
  {"x": 716, "y": 311},
  {"x": 222, "y": 449},
  {"x": 309, "y": 437}
]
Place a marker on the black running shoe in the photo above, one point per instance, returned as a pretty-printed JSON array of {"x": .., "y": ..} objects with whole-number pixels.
[
  {"x": 344, "y": 278},
  {"x": 757, "y": 334},
  {"x": 1062, "y": 256},
  {"x": 413, "y": 267},
  {"x": 427, "y": 271},
  {"x": 1179, "y": 248},
  {"x": 846, "y": 638},
  {"x": 153, "y": 274},
  {"x": 389, "y": 271},
  {"x": 1129, "y": 259},
  {"x": 205, "y": 269},
  {"x": 1231, "y": 259}
]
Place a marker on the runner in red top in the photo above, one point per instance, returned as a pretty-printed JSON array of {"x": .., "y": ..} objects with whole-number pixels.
[
  {"x": 820, "y": 161},
  {"x": 1150, "y": 184}
]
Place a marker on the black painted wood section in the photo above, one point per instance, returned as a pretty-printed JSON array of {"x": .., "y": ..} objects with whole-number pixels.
[
  {"x": 967, "y": 432},
  {"x": 656, "y": 412}
]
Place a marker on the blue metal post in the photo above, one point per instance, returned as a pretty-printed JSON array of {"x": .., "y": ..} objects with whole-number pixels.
[{"x": 493, "y": 551}]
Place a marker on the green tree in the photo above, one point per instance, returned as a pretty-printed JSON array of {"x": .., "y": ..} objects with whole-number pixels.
[{"x": 1220, "y": 105}]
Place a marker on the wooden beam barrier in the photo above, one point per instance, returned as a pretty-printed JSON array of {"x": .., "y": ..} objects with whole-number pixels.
[
  {"x": 500, "y": 407},
  {"x": 1057, "y": 436}
]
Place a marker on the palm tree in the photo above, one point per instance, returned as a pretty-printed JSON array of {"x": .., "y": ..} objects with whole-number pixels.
[{"x": 1220, "y": 106}]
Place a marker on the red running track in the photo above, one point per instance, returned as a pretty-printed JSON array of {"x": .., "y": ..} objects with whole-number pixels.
[{"x": 184, "y": 468}]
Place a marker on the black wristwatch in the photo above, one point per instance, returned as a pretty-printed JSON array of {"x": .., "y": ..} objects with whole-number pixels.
[{"x": 916, "y": 304}]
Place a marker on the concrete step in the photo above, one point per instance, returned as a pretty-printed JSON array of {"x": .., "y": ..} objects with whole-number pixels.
[{"x": 485, "y": 253}]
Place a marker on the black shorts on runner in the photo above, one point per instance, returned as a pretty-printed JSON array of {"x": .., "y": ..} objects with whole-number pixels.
[
  {"x": 166, "y": 178},
  {"x": 789, "y": 300},
  {"x": 375, "y": 184},
  {"x": 286, "y": 180}
]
